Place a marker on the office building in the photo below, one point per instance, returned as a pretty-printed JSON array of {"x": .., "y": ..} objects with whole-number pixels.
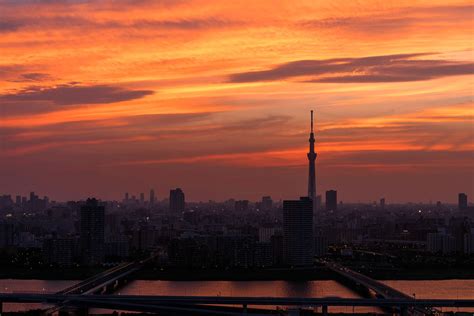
[
  {"x": 318, "y": 202},
  {"x": 58, "y": 251},
  {"x": 152, "y": 197},
  {"x": 242, "y": 206},
  {"x": 331, "y": 200},
  {"x": 267, "y": 203},
  {"x": 462, "y": 201},
  {"x": 92, "y": 232},
  {"x": 298, "y": 241},
  {"x": 177, "y": 200},
  {"x": 441, "y": 243}
]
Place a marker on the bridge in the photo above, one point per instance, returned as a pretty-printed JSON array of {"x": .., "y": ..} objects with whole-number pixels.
[
  {"x": 104, "y": 282},
  {"x": 380, "y": 289},
  {"x": 94, "y": 292},
  {"x": 220, "y": 305}
]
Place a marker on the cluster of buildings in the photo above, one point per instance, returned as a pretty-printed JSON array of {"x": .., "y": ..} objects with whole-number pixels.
[
  {"x": 34, "y": 203},
  {"x": 234, "y": 233}
]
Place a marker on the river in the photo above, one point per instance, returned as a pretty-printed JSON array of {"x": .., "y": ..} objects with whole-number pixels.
[{"x": 422, "y": 289}]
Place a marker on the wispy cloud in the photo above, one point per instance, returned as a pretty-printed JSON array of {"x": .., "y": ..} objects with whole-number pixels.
[
  {"x": 385, "y": 68},
  {"x": 44, "y": 99},
  {"x": 383, "y": 24},
  {"x": 76, "y": 22}
]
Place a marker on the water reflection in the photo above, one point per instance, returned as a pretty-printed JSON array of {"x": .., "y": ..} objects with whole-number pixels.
[{"x": 454, "y": 289}]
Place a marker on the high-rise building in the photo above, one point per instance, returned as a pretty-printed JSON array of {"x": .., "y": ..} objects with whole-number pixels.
[
  {"x": 320, "y": 245},
  {"x": 312, "y": 168},
  {"x": 125, "y": 200},
  {"x": 298, "y": 241},
  {"x": 241, "y": 206},
  {"x": 331, "y": 200},
  {"x": 92, "y": 232},
  {"x": 440, "y": 242},
  {"x": 58, "y": 250},
  {"x": 152, "y": 197},
  {"x": 142, "y": 198},
  {"x": 267, "y": 203},
  {"x": 382, "y": 203},
  {"x": 318, "y": 201},
  {"x": 462, "y": 201},
  {"x": 177, "y": 200},
  {"x": 7, "y": 234}
]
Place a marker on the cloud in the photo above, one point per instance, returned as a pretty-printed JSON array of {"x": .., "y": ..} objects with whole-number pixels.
[
  {"x": 10, "y": 71},
  {"x": 184, "y": 24},
  {"x": 71, "y": 22},
  {"x": 9, "y": 26},
  {"x": 169, "y": 131},
  {"x": 22, "y": 73},
  {"x": 35, "y": 76},
  {"x": 39, "y": 99},
  {"x": 385, "y": 68},
  {"x": 394, "y": 22},
  {"x": 32, "y": 77}
]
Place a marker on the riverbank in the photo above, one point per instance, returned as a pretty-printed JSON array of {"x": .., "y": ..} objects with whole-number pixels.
[{"x": 150, "y": 273}]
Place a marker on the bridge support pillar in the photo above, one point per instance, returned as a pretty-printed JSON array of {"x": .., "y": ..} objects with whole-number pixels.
[
  {"x": 244, "y": 309},
  {"x": 403, "y": 311},
  {"x": 325, "y": 310}
]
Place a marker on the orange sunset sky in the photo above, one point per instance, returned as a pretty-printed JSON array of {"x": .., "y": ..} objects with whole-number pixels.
[{"x": 98, "y": 98}]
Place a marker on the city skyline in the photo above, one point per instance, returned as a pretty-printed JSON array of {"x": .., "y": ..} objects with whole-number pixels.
[
  {"x": 331, "y": 194},
  {"x": 200, "y": 157},
  {"x": 176, "y": 196},
  {"x": 213, "y": 98}
]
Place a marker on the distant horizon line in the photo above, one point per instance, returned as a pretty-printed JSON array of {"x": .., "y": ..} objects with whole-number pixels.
[{"x": 137, "y": 198}]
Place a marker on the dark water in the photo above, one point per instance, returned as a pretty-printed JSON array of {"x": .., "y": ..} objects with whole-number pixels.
[{"x": 462, "y": 289}]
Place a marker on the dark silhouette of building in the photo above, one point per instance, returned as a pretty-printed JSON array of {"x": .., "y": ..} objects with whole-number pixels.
[
  {"x": 267, "y": 203},
  {"x": 298, "y": 241},
  {"x": 241, "y": 206},
  {"x": 126, "y": 199},
  {"x": 37, "y": 204},
  {"x": 7, "y": 234},
  {"x": 462, "y": 201},
  {"x": 177, "y": 200},
  {"x": 312, "y": 169},
  {"x": 152, "y": 197},
  {"x": 331, "y": 200},
  {"x": 142, "y": 198},
  {"x": 382, "y": 203},
  {"x": 320, "y": 245},
  {"x": 58, "y": 251},
  {"x": 92, "y": 232},
  {"x": 318, "y": 202}
]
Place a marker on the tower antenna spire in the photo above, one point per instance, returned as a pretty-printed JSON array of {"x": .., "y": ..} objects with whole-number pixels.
[{"x": 312, "y": 168}]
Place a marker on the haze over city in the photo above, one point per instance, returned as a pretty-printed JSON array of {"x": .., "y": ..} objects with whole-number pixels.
[
  {"x": 103, "y": 98},
  {"x": 203, "y": 157}
]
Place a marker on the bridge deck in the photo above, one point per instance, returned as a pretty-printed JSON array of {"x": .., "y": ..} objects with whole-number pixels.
[
  {"x": 381, "y": 290},
  {"x": 96, "y": 283},
  {"x": 229, "y": 300}
]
